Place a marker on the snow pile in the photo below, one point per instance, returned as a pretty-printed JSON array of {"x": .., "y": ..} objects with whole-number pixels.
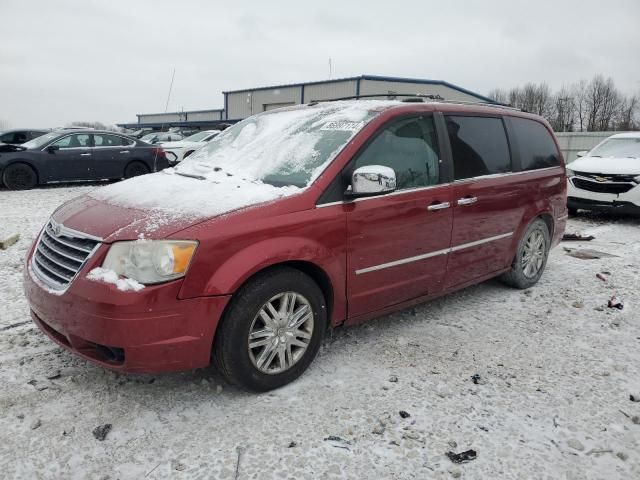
[
  {"x": 109, "y": 276},
  {"x": 263, "y": 158}
]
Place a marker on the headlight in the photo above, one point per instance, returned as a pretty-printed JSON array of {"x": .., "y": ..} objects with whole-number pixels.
[
  {"x": 150, "y": 261},
  {"x": 570, "y": 173},
  {"x": 636, "y": 179}
]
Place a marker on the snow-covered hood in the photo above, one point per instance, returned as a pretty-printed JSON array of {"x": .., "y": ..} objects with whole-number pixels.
[
  {"x": 160, "y": 204},
  {"x": 606, "y": 165},
  {"x": 180, "y": 144}
]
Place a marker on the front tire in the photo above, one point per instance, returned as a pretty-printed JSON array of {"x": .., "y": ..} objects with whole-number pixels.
[
  {"x": 19, "y": 176},
  {"x": 531, "y": 256},
  {"x": 271, "y": 330}
]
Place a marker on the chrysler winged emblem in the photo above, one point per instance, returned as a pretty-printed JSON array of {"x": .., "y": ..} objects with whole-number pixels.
[{"x": 56, "y": 228}]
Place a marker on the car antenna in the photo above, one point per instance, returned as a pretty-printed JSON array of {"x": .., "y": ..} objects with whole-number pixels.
[{"x": 166, "y": 107}]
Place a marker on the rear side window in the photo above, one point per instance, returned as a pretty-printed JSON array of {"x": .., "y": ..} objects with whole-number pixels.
[
  {"x": 537, "y": 148},
  {"x": 408, "y": 146},
  {"x": 479, "y": 146}
]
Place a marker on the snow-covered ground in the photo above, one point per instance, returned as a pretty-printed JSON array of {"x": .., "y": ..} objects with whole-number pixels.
[{"x": 556, "y": 370}]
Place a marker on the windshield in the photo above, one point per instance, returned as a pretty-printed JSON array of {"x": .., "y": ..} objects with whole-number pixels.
[
  {"x": 285, "y": 147},
  {"x": 197, "y": 137},
  {"x": 41, "y": 141},
  {"x": 148, "y": 137},
  {"x": 618, "y": 147}
]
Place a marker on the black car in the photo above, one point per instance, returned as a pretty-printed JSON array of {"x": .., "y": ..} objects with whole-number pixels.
[
  {"x": 81, "y": 155},
  {"x": 18, "y": 137}
]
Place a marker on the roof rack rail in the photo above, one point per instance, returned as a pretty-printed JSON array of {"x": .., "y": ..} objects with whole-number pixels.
[{"x": 417, "y": 98}]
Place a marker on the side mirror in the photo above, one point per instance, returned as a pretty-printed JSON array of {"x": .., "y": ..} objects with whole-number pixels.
[
  {"x": 372, "y": 180},
  {"x": 53, "y": 148},
  {"x": 582, "y": 153}
]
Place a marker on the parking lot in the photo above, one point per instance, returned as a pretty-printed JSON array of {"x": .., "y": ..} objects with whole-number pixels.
[{"x": 555, "y": 368}]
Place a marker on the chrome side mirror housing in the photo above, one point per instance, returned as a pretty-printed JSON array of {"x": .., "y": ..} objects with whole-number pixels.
[{"x": 372, "y": 180}]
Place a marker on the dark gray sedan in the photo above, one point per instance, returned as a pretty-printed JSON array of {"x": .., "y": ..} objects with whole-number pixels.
[{"x": 73, "y": 156}]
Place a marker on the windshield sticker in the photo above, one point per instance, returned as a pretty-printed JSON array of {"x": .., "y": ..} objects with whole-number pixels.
[{"x": 342, "y": 126}]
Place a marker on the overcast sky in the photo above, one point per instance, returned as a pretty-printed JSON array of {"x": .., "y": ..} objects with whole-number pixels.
[{"x": 63, "y": 60}]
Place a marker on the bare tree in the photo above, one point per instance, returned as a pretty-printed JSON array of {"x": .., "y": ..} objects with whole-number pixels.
[{"x": 595, "y": 105}]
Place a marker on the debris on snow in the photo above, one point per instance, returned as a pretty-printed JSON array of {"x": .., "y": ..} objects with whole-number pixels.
[
  {"x": 576, "y": 237},
  {"x": 622, "y": 456},
  {"x": 575, "y": 444},
  {"x": 292, "y": 445},
  {"x": 615, "y": 302},
  {"x": 178, "y": 466},
  {"x": 393, "y": 379},
  {"x": 102, "y": 431},
  {"x": 338, "y": 442},
  {"x": 53, "y": 375},
  {"x": 36, "y": 423},
  {"x": 635, "y": 397},
  {"x": 578, "y": 304},
  {"x": 7, "y": 242},
  {"x": 602, "y": 277},
  {"x": 404, "y": 414},
  {"x": 462, "y": 457},
  {"x": 587, "y": 253},
  {"x": 477, "y": 379}
]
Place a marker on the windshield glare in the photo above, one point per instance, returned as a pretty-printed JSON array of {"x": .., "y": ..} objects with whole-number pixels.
[
  {"x": 618, "y": 147},
  {"x": 41, "y": 140},
  {"x": 289, "y": 146},
  {"x": 149, "y": 136}
]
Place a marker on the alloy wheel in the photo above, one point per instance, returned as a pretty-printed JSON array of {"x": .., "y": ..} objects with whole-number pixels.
[
  {"x": 533, "y": 253},
  {"x": 280, "y": 333}
]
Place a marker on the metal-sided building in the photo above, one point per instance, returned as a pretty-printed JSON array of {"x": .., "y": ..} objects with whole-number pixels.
[{"x": 239, "y": 104}]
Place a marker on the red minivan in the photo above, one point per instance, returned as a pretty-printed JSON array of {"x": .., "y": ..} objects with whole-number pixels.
[{"x": 292, "y": 222}]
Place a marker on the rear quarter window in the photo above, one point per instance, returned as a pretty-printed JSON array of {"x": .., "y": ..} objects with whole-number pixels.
[{"x": 535, "y": 143}]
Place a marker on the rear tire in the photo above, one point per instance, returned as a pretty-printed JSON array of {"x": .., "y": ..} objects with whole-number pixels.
[
  {"x": 19, "y": 176},
  {"x": 261, "y": 353},
  {"x": 531, "y": 256},
  {"x": 135, "y": 169}
]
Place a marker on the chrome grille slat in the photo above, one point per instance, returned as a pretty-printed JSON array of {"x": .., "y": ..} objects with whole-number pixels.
[
  {"x": 51, "y": 268},
  {"x": 62, "y": 250},
  {"x": 42, "y": 251},
  {"x": 50, "y": 280},
  {"x": 82, "y": 248},
  {"x": 58, "y": 257}
]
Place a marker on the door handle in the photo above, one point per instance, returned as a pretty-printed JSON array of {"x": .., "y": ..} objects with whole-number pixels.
[
  {"x": 438, "y": 206},
  {"x": 85, "y": 154},
  {"x": 124, "y": 151},
  {"x": 467, "y": 200}
]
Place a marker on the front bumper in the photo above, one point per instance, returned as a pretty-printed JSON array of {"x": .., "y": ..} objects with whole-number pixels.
[
  {"x": 592, "y": 200},
  {"x": 149, "y": 331}
]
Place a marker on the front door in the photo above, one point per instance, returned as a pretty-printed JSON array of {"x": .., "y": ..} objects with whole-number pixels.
[
  {"x": 487, "y": 205},
  {"x": 72, "y": 160},
  {"x": 398, "y": 242}
]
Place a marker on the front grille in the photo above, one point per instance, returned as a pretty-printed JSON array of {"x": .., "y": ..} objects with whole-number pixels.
[
  {"x": 601, "y": 187},
  {"x": 608, "y": 177},
  {"x": 60, "y": 254}
]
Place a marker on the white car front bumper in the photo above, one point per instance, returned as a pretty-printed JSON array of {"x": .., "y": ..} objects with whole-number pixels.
[{"x": 590, "y": 191}]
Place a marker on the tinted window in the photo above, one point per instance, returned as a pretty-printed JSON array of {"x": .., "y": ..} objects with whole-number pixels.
[
  {"x": 105, "y": 140},
  {"x": 537, "y": 148},
  {"x": 73, "y": 141},
  {"x": 409, "y": 147},
  {"x": 479, "y": 146}
]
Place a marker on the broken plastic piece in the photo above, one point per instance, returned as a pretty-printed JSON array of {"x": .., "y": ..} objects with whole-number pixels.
[
  {"x": 574, "y": 237},
  {"x": 462, "y": 457},
  {"x": 615, "y": 302}
]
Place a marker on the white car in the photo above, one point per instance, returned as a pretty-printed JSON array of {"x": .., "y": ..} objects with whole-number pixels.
[
  {"x": 178, "y": 151},
  {"x": 607, "y": 177}
]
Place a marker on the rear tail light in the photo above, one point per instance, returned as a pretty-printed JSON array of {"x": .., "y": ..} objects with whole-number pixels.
[{"x": 159, "y": 153}]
